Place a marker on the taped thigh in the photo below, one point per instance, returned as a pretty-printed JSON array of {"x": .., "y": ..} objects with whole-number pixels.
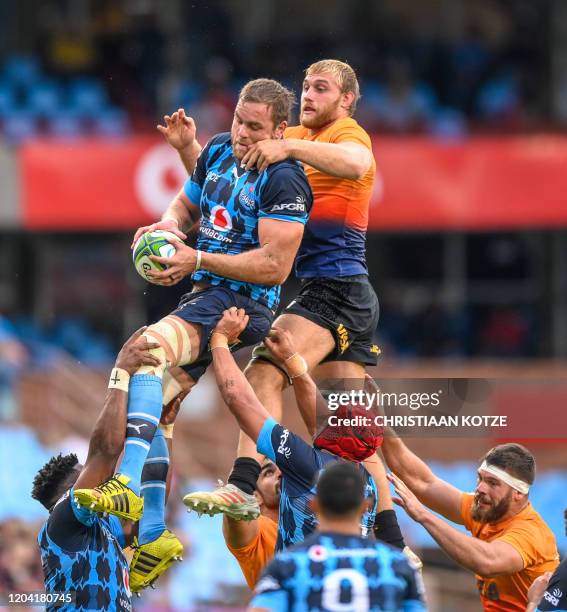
[
  {"x": 174, "y": 341},
  {"x": 176, "y": 382}
]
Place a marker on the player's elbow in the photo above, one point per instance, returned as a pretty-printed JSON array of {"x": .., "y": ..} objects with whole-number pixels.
[
  {"x": 360, "y": 164},
  {"x": 487, "y": 566},
  {"x": 276, "y": 272}
]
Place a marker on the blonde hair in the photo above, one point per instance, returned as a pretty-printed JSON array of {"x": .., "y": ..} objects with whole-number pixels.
[{"x": 344, "y": 75}]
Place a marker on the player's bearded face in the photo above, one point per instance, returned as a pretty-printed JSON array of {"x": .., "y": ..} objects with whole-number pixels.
[
  {"x": 489, "y": 510},
  {"x": 321, "y": 100},
  {"x": 268, "y": 485},
  {"x": 252, "y": 122}
]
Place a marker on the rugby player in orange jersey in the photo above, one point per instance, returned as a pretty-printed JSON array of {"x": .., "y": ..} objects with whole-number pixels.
[{"x": 510, "y": 546}]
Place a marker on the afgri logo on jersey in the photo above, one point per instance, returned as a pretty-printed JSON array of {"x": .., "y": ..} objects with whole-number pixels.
[{"x": 221, "y": 219}]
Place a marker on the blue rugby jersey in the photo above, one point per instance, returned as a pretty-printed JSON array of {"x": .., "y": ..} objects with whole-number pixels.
[
  {"x": 81, "y": 553},
  {"x": 555, "y": 596},
  {"x": 330, "y": 572},
  {"x": 233, "y": 200},
  {"x": 299, "y": 463}
]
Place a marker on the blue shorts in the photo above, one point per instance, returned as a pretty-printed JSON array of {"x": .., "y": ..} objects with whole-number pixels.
[{"x": 206, "y": 308}]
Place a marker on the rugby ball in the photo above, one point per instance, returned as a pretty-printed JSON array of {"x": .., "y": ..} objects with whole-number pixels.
[{"x": 152, "y": 243}]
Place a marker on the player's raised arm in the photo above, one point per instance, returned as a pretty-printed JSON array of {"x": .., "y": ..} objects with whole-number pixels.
[
  {"x": 307, "y": 396},
  {"x": 183, "y": 212},
  {"x": 235, "y": 389},
  {"x": 434, "y": 492},
  {"x": 107, "y": 439},
  {"x": 180, "y": 132},
  {"x": 348, "y": 160},
  {"x": 484, "y": 558}
]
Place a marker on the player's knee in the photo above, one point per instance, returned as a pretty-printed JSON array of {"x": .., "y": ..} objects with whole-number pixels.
[
  {"x": 176, "y": 383},
  {"x": 174, "y": 345},
  {"x": 265, "y": 376}
]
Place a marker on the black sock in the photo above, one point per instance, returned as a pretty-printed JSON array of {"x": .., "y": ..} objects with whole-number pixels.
[
  {"x": 244, "y": 474},
  {"x": 387, "y": 530}
]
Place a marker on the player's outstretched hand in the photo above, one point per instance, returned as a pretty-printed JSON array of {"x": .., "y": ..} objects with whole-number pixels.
[
  {"x": 179, "y": 265},
  {"x": 136, "y": 353},
  {"x": 179, "y": 130},
  {"x": 170, "y": 411},
  {"x": 168, "y": 225},
  {"x": 265, "y": 152},
  {"x": 280, "y": 343},
  {"x": 406, "y": 499},
  {"x": 233, "y": 323},
  {"x": 538, "y": 587}
]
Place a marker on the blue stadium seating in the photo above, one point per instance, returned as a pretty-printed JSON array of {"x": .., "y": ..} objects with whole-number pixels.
[
  {"x": 45, "y": 99},
  {"x": 20, "y": 126}
]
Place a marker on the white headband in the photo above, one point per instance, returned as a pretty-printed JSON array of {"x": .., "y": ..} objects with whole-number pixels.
[{"x": 515, "y": 483}]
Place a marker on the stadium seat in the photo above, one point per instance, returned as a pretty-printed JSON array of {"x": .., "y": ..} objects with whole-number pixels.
[
  {"x": 20, "y": 444},
  {"x": 21, "y": 70},
  {"x": 188, "y": 93},
  {"x": 67, "y": 125},
  {"x": 499, "y": 97},
  {"x": 19, "y": 126},
  {"x": 44, "y": 99},
  {"x": 87, "y": 97},
  {"x": 111, "y": 122},
  {"x": 448, "y": 124},
  {"x": 8, "y": 100}
]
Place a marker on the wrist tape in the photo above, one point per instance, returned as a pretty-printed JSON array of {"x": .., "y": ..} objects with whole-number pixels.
[
  {"x": 119, "y": 379},
  {"x": 218, "y": 340},
  {"x": 167, "y": 430},
  {"x": 296, "y": 366}
]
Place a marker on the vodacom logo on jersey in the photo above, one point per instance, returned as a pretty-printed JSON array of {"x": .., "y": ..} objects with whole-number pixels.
[{"x": 221, "y": 219}]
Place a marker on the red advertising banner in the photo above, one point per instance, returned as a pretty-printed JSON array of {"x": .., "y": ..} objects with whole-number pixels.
[
  {"x": 90, "y": 184},
  {"x": 480, "y": 183}
]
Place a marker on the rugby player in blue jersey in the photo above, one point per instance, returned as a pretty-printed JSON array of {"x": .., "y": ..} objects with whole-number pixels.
[
  {"x": 335, "y": 315},
  {"x": 335, "y": 568},
  {"x": 81, "y": 550},
  {"x": 548, "y": 592},
  {"x": 251, "y": 226},
  {"x": 298, "y": 461}
]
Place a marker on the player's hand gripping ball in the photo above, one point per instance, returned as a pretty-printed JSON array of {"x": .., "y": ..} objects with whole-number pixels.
[{"x": 153, "y": 243}]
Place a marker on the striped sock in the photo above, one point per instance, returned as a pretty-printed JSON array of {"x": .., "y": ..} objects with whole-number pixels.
[
  {"x": 154, "y": 477},
  {"x": 144, "y": 410}
]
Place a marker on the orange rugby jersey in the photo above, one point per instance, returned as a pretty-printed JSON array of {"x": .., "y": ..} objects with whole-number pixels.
[
  {"x": 531, "y": 537},
  {"x": 334, "y": 242},
  {"x": 254, "y": 557}
]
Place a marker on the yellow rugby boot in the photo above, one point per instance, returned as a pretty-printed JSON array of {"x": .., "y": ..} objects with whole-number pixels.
[
  {"x": 113, "y": 497},
  {"x": 151, "y": 560}
]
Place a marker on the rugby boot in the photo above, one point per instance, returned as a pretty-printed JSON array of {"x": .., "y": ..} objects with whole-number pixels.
[
  {"x": 225, "y": 499},
  {"x": 413, "y": 558},
  {"x": 151, "y": 560},
  {"x": 113, "y": 497}
]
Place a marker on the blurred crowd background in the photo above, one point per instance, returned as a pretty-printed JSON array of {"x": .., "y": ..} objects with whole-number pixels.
[{"x": 448, "y": 86}]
